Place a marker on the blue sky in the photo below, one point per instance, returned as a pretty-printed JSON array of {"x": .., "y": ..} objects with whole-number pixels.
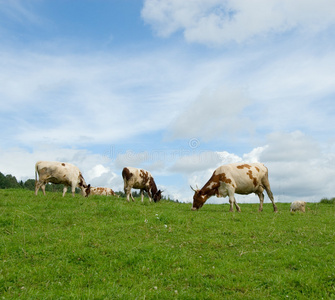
[{"x": 175, "y": 87}]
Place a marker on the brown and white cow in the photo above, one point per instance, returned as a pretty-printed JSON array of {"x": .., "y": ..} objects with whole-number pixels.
[
  {"x": 102, "y": 191},
  {"x": 298, "y": 206},
  {"x": 239, "y": 178},
  {"x": 59, "y": 173},
  {"x": 140, "y": 179}
]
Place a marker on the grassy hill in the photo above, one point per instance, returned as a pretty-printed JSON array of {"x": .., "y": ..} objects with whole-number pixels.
[{"x": 105, "y": 248}]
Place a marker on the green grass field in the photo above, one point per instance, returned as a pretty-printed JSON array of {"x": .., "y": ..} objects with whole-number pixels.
[{"x": 105, "y": 248}]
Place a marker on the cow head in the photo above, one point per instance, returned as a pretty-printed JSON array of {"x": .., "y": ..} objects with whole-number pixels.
[
  {"x": 199, "y": 199},
  {"x": 157, "y": 196},
  {"x": 87, "y": 190}
]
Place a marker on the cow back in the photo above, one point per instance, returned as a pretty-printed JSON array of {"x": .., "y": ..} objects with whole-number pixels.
[{"x": 59, "y": 172}]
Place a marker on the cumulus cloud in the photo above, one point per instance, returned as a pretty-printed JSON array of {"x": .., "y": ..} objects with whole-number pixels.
[
  {"x": 298, "y": 167},
  {"x": 202, "y": 161},
  {"x": 215, "y": 113},
  {"x": 290, "y": 147},
  {"x": 216, "y": 22},
  {"x": 132, "y": 159},
  {"x": 102, "y": 176}
]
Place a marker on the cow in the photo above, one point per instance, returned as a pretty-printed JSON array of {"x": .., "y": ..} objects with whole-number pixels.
[
  {"x": 59, "y": 173},
  {"x": 140, "y": 179},
  {"x": 298, "y": 205},
  {"x": 240, "y": 178},
  {"x": 102, "y": 191}
]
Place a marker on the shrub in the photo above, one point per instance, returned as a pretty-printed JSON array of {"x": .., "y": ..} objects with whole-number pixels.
[{"x": 327, "y": 201}]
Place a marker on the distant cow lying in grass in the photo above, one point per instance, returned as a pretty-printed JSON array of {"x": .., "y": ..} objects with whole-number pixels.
[
  {"x": 298, "y": 205},
  {"x": 102, "y": 191},
  {"x": 140, "y": 179},
  {"x": 59, "y": 173},
  {"x": 236, "y": 178}
]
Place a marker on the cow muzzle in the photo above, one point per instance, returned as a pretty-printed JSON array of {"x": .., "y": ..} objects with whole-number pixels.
[{"x": 194, "y": 208}]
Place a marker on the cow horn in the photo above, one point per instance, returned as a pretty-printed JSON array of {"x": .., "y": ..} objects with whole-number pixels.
[{"x": 193, "y": 189}]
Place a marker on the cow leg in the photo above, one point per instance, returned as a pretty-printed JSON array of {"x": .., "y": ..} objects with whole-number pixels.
[
  {"x": 64, "y": 190},
  {"x": 232, "y": 201},
  {"x": 73, "y": 190},
  {"x": 131, "y": 195},
  {"x": 128, "y": 193},
  {"x": 236, "y": 205},
  {"x": 142, "y": 195},
  {"x": 132, "y": 198},
  {"x": 266, "y": 185},
  {"x": 149, "y": 192},
  {"x": 37, "y": 187},
  {"x": 268, "y": 191},
  {"x": 43, "y": 189},
  {"x": 261, "y": 200}
]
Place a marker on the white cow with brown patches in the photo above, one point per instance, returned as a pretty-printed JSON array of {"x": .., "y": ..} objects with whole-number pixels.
[
  {"x": 239, "y": 178},
  {"x": 102, "y": 191},
  {"x": 59, "y": 173},
  {"x": 298, "y": 206},
  {"x": 140, "y": 179}
]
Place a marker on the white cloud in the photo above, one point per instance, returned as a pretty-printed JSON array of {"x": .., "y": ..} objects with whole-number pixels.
[
  {"x": 98, "y": 171},
  {"x": 84, "y": 99},
  {"x": 214, "y": 114},
  {"x": 132, "y": 159},
  {"x": 101, "y": 176},
  {"x": 218, "y": 22},
  {"x": 199, "y": 161},
  {"x": 290, "y": 147},
  {"x": 298, "y": 168}
]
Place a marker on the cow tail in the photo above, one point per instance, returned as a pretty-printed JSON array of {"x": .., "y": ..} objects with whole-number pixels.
[
  {"x": 35, "y": 177},
  {"x": 35, "y": 174}
]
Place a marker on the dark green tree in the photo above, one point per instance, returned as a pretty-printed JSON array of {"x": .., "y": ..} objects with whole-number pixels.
[{"x": 30, "y": 184}]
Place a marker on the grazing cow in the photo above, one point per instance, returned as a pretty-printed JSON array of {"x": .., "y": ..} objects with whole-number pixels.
[
  {"x": 235, "y": 178},
  {"x": 298, "y": 205},
  {"x": 102, "y": 191},
  {"x": 140, "y": 179},
  {"x": 59, "y": 173}
]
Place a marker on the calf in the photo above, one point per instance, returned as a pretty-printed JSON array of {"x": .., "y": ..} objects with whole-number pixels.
[
  {"x": 59, "y": 173},
  {"x": 298, "y": 205},
  {"x": 235, "y": 178},
  {"x": 140, "y": 179},
  {"x": 102, "y": 191}
]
